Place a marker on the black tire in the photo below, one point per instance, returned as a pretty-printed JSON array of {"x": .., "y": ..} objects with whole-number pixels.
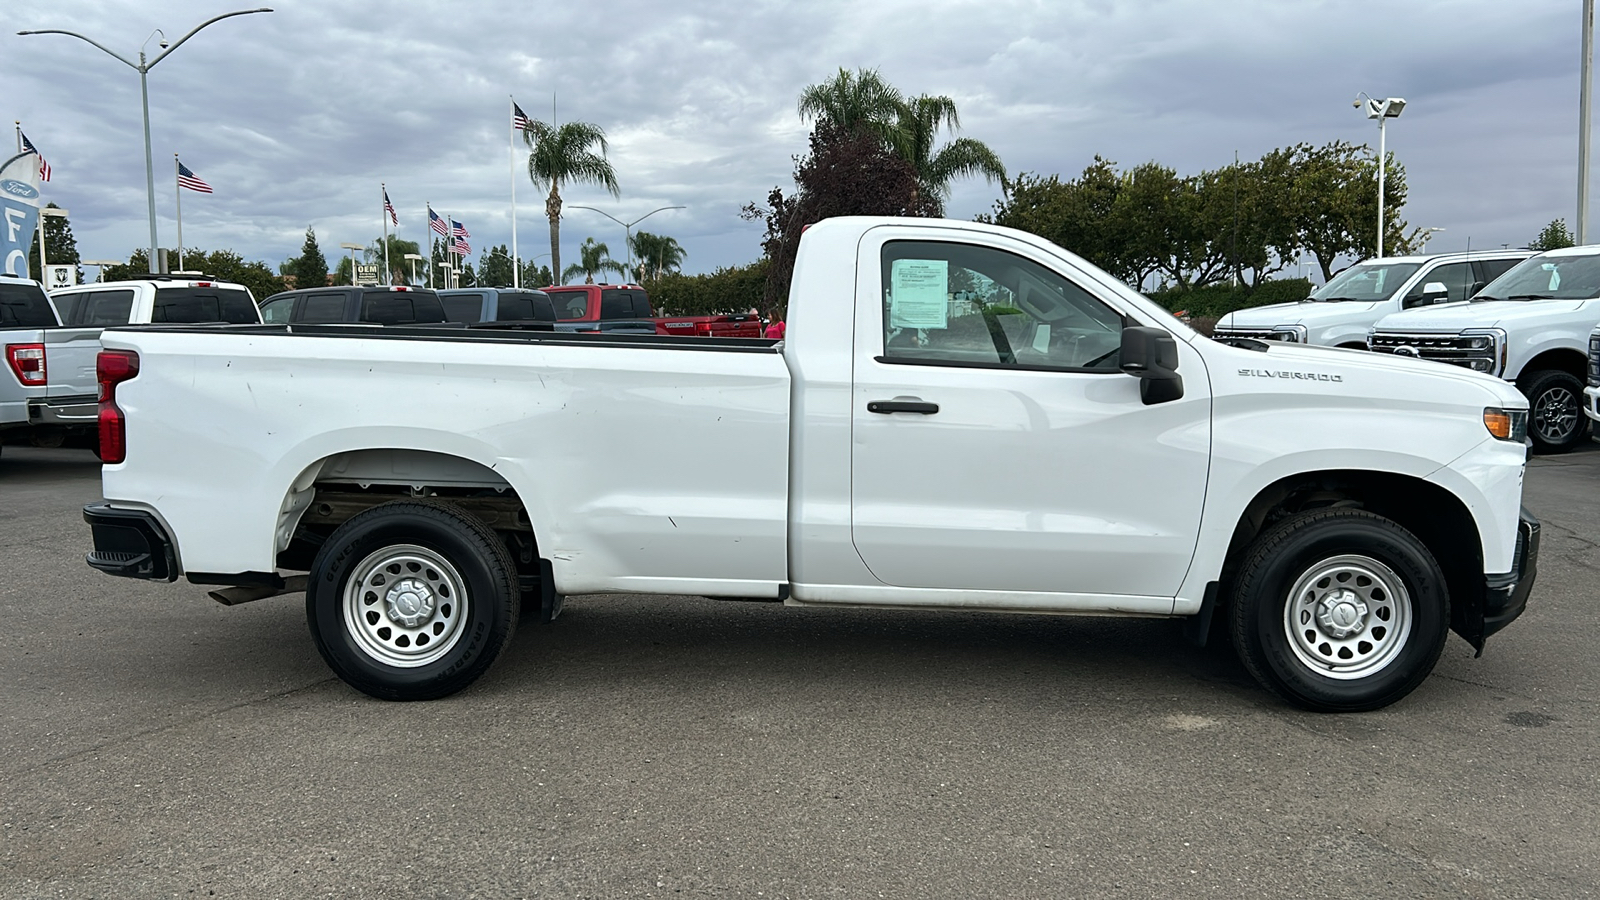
[
  {"x": 449, "y": 604},
  {"x": 1386, "y": 605},
  {"x": 1556, "y": 422}
]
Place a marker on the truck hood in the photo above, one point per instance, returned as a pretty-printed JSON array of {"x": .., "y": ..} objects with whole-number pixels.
[
  {"x": 1351, "y": 365},
  {"x": 1306, "y": 312},
  {"x": 1457, "y": 317}
]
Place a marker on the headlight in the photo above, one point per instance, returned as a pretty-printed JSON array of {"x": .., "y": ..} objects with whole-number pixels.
[
  {"x": 1507, "y": 424},
  {"x": 1293, "y": 334},
  {"x": 1479, "y": 343}
]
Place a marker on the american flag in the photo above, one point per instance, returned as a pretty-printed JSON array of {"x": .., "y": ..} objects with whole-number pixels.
[
  {"x": 458, "y": 229},
  {"x": 462, "y": 247},
  {"x": 28, "y": 147},
  {"x": 389, "y": 208},
  {"x": 435, "y": 223},
  {"x": 519, "y": 119},
  {"x": 191, "y": 181}
]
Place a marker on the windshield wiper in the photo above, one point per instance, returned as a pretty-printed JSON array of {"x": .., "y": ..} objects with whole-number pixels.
[
  {"x": 1532, "y": 297},
  {"x": 1337, "y": 299}
]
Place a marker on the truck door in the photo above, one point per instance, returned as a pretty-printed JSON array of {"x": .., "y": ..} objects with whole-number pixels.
[{"x": 997, "y": 446}]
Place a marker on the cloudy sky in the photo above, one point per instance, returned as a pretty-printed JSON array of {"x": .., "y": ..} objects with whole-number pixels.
[{"x": 296, "y": 116}]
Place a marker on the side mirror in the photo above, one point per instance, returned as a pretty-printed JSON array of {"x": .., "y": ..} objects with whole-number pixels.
[
  {"x": 1151, "y": 355},
  {"x": 1434, "y": 292}
]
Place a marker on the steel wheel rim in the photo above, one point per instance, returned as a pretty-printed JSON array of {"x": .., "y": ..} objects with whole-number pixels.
[
  {"x": 1348, "y": 617},
  {"x": 405, "y": 606},
  {"x": 1555, "y": 416}
]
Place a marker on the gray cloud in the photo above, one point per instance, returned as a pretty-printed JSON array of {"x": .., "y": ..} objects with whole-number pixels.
[{"x": 295, "y": 117}]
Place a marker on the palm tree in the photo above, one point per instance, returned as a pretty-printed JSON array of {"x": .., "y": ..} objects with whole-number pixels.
[
  {"x": 594, "y": 258},
  {"x": 562, "y": 154},
  {"x": 917, "y": 125},
  {"x": 855, "y": 101},
  {"x": 657, "y": 255}
]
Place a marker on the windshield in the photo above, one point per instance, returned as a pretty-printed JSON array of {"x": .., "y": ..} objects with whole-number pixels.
[
  {"x": 1366, "y": 281},
  {"x": 1547, "y": 278}
]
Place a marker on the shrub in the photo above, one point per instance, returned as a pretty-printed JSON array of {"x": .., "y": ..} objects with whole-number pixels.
[
  {"x": 727, "y": 290},
  {"x": 1217, "y": 300}
]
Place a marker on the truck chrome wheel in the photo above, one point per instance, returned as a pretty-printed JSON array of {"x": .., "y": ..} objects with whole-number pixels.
[
  {"x": 1556, "y": 415},
  {"x": 404, "y": 605},
  {"x": 1348, "y": 617}
]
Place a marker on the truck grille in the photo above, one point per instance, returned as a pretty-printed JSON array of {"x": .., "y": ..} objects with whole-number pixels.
[
  {"x": 1594, "y": 360},
  {"x": 1478, "y": 352}
]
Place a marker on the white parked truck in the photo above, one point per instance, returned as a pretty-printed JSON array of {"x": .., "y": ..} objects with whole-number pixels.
[
  {"x": 1341, "y": 312},
  {"x": 961, "y": 416},
  {"x": 1530, "y": 327}
]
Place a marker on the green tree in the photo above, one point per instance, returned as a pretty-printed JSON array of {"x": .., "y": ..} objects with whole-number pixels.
[
  {"x": 61, "y": 248},
  {"x": 565, "y": 155},
  {"x": 221, "y": 265},
  {"x": 916, "y": 129},
  {"x": 536, "y": 276},
  {"x": 656, "y": 255},
  {"x": 859, "y": 102},
  {"x": 399, "y": 267},
  {"x": 310, "y": 267},
  {"x": 593, "y": 259},
  {"x": 1334, "y": 196},
  {"x": 1553, "y": 237},
  {"x": 727, "y": 290},
  {"x": 495, "y": 268}
]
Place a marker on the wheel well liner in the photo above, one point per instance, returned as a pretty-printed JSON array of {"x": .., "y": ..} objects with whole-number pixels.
[{"x": 1573, "y": 362}]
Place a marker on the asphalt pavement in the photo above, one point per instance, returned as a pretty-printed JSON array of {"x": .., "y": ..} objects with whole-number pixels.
[{"x": 156, "y": 744}]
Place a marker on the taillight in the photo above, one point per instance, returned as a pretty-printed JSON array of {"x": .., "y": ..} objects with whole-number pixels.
[
  {"x": 702, "y": 329},
  {"x": 111, "y": 368},
  {"x": 26, "y": 362}
]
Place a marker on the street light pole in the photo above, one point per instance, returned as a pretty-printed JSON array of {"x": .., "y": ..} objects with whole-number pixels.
[
  {"x": 143, "y": 68},
  {"x": 626, "y": 226},
  {"x": 1583, "y": 122},
  {"x": 1383, "y": 111}
]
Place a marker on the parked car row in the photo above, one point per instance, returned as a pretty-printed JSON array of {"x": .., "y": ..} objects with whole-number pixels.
[{"x": 1522, "y": 317}]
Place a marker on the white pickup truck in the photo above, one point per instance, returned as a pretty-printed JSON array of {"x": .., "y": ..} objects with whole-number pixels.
[
  {"x": 1530, "y": 327},
  {"x": 1341, "y": 312},
  {"x": 961, "y": 417}
]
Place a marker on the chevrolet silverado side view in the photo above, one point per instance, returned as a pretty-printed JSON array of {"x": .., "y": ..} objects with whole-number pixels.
[{"x": 961, "y": 416}]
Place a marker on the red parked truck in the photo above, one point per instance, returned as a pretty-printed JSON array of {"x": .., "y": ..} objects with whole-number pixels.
[{"x": 599, "y": 303}]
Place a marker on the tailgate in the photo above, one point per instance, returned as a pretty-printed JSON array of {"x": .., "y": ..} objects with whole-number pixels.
[{"x": 69, "y": 355}]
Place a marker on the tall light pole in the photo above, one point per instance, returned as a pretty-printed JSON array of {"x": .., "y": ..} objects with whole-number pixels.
[
  {"x": 414, "y": 257},
  {"x": 1583, "y": 122},
  {"x": 1383, "y": 111},
  {"x": 352, "y": 248},
  {"x": 627, "y": 226},
  {"x": 143, "y": 68},
  {"x": 1426, "y": 234}
]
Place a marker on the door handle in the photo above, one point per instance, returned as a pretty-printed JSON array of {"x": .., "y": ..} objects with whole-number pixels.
[{"x": 909, "y": 405}]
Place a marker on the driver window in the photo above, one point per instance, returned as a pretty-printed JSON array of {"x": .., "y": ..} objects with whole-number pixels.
[
  {"x": 960, "y": 304},
  {"x": 1457, "y": 277}
]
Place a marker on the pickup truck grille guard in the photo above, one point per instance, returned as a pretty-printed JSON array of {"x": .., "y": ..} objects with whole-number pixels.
[{"x": 1480, "y": 351}]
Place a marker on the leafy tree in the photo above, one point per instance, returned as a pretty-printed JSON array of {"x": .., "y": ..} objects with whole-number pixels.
[
  {"x": 441, "y": 258},
  {"x": 222, "y": 265},
  {"x": 727, "y": 290},
  {"x": 310, "y": 267},
  {"x": 535, "y": 276},
  {"x": 594, "y": 259},
  {"x": 656, "y": 254},
  {"x": 846, "y": 174},
  {"x": 342, "y": 273},
  {"x": 859, "y": 102},
  {"x": 916, "y": 128},
  {"x": 61, "y": 248},
  {"x": 1334, "y": 195},
  {"x": 1553, "y": 237},
  {"x": 563, "y": 154},
  {"x": 495, "y": 268},
  {"x": 399, "y": 267}
]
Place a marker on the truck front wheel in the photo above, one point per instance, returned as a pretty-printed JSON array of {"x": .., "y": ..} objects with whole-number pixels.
[
  {"x": 412, "y": 600},
  {"x": 1340, "y": 610},
  {"x": 1555, "y": 410}
]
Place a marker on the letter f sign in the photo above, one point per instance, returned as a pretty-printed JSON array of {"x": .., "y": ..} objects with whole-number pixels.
[{"x": 13, "y": 223}]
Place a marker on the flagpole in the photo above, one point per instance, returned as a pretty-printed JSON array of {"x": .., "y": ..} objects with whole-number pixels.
[
  {"x": 516, "y": 265},
  {"x": 177, "y": 191},
  {"x": 431, "y": 266},
  {"x": 383, "y": 217}
]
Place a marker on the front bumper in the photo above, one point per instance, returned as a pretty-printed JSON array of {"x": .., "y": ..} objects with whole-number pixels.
[
  {"x": 130, "y": 543},
  {"x": 1591, "y": 406},
  {"x": 1506, "y": 596}
]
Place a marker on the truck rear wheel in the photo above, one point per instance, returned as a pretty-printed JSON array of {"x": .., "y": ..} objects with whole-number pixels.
[
  {"x": 412, "y": 600},
  {"x": 1340, "y": 610},
  {"x": 1555, "y": 410}
]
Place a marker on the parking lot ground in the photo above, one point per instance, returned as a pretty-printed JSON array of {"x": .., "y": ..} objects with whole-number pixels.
[{"x": 156, "y": 744}]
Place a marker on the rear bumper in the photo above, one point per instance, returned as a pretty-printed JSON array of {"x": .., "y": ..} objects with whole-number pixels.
[
  {"x": 64, "y": 411},
  {"x": 1506, "y": 596},
  {"x": 130, "y": 543}
]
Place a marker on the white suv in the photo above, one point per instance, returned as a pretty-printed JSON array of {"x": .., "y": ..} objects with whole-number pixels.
[
  {"x": 1340, "y": 313},
  {"x": 1530, "y": 326}
]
